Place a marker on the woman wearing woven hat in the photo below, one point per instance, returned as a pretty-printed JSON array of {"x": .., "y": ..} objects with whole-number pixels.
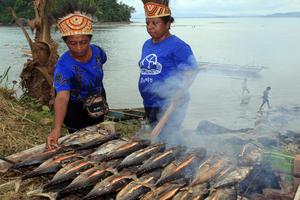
[
  {"x": 80, "y": 96},
  {"x": 167, "y": 68}
]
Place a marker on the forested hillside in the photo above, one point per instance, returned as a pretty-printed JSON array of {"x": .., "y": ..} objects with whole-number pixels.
[{"x": 106, "y": 10}]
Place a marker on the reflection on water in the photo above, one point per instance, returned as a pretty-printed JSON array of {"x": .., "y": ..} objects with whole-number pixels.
[{"x": 273, "y": 43}]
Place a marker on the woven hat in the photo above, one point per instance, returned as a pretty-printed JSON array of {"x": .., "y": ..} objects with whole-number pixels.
[
  {"x": 76, "y": 23},
  {"x": 156, "y": 8}
]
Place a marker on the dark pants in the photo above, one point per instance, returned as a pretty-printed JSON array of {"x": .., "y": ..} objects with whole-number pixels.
[{"x": 77, "y": 118}]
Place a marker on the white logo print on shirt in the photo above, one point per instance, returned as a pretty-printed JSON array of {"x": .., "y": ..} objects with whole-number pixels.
[{"x": 150, "y": 66}]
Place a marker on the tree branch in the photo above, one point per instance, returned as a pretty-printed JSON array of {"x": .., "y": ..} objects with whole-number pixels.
[{"x": 19, "y": 23}]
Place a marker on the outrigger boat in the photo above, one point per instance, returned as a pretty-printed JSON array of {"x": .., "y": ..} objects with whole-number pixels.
[{"x": 231, "y": 69}]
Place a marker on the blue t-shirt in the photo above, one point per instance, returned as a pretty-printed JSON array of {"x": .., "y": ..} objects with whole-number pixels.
[
  {"x": 81, "y": 79},
  {"x": 161, "y": 68}
]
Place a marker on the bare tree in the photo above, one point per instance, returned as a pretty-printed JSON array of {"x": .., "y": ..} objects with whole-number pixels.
[{"x": 37, "y": 74}]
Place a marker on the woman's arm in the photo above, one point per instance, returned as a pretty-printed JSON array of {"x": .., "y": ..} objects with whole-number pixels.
[{"x": 60, "y": 109}]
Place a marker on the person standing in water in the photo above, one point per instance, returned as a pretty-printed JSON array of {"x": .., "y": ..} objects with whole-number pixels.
[
  {"x": 265, "y": 98},
  {"x": 244, "y": 86}
]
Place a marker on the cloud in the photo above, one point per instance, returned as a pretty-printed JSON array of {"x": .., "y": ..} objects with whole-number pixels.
[{"x": 223, "y": 7}]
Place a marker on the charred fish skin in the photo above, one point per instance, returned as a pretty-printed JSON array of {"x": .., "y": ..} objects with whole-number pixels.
[
  {"x": 223, "y": 194},
  {"x": 57, "y": 182},
  {"x": 138, "y": 157},
  {"x": 198, "y": 192},
  {"x": 36, "y": 159},
  {"x": 137, "y": 188},
  {"x": 101, "y": 152},
  {"x": 99, "y": 141},
  {"x": 209, "y": 169},
  {"x": 85, "y": 181},
  {"x": 178, "y": 168},
  {"x": 160, "y": 160},
  {"x": 166, "y": 191},
  {"x": 127, "y": 149},
  {"x": 109, "y": 185},
  {"x": 233, "y": 177},
  {"x": 52, "y": 165}
]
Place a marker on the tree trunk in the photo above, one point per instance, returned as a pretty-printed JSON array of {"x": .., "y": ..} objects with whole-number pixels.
[{"x": 37, "y": 74}]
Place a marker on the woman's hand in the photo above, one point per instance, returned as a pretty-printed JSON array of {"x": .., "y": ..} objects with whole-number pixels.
[{"x": 52, "y": 140}]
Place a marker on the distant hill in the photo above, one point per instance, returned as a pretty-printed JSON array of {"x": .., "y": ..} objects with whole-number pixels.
[{"x": 288, "y": 14}]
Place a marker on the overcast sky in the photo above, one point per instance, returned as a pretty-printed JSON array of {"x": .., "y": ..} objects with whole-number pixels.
[{"x": 190, "y": 8}]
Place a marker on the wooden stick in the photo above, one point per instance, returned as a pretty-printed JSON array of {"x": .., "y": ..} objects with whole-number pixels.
[
  {"x": 159, "y": 126},
  {"x": 19, "y": 23},
  {"x": 297, "y": 195}
]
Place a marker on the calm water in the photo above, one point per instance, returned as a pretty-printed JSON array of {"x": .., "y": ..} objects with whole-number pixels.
[{"x": 270, "y": 42}]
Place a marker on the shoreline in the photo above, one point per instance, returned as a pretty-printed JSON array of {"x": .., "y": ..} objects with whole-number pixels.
[{"x": 96, "y": 24}]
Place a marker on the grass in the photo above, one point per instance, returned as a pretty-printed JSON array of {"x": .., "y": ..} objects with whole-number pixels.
[{"x": 25, "y": 123}]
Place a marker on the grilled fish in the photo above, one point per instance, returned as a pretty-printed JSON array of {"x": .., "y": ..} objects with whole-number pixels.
[
  {"x": 52, "y": 165},
  {"x": 86, "y": 180},
  {"x": 234, "y": 177},
  {"x": 102, "y": 151},
  {"x": 160, "y": 160},
  {"x": 177, "y": 168},
  {"x": 208, "y": 170},
  {"x": 223, "y": 194},
  {"x": 126, "y": 149},
  {"x": 36, "y": 159},
  {"x": 64, "y": 176},
  {"x": 198, "y": 192},
  {"x": 109, "y": 185},
  {"x": 136, "y": 189},
  {"x": 86, "y": 138},
  {"x": 166, "y": 191},
  {"x": 140, "y": 156}
]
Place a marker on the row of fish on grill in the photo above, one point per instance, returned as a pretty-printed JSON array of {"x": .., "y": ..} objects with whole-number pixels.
[{"x": 95, "y": 164}]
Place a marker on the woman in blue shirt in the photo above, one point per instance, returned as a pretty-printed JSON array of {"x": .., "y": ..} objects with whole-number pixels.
[
  {"x": 78, "y": 75},
  {"x": 167, "y": 68}
]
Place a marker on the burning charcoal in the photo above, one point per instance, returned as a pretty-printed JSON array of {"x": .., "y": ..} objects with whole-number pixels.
[
  {"x": 278, "y": 194},
  {"x": 260, "y": 177}
]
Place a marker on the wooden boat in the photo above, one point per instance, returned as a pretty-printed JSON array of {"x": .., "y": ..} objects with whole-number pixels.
[
  {"x": 231, "y": 69},
  {"x": 125, "y": 114}
]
